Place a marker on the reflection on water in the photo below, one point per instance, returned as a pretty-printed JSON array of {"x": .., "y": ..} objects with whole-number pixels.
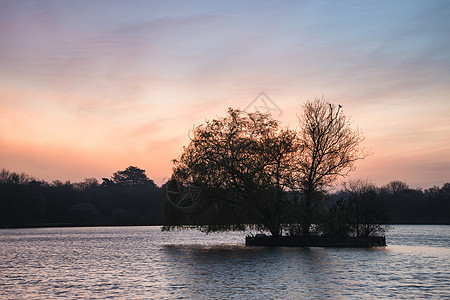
[{"x": 143, "y": 262}]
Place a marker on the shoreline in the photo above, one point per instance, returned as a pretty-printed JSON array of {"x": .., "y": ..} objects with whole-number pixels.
[
  {"x": 316, "y": 241},
  {"x": 69, "y": 225}
]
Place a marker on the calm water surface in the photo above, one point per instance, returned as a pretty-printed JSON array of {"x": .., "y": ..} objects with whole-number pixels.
[{"x": 145, "y": 263}]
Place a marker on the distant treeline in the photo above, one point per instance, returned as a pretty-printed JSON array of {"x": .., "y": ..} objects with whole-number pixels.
[
  {"x": 404, "y": 205},
  {"x": 416, "y": 206},
  {"x": 129, "y": 197}
]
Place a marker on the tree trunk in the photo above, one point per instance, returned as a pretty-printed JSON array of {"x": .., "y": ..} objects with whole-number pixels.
[
  {"x": 306, "y": 222},
  {"x": 305, "y": 227},
  {"x": 275, "y": 231}
]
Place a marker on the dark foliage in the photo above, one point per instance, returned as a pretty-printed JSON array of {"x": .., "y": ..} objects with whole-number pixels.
[
  {"x": 254, "y": 162},
  {"x": 25, "y": 202},
  {"x": 362, "y": 209},
  {"x": 416, "y": 206},
  {"x": 131, "y": 176},
  {"x": 252, "y": 173},
  {"x": 359, "y": 211},
  {"x": 240, "y": 162}
]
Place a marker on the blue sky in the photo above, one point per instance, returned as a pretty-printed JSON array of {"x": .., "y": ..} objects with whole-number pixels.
[{"x": 90, "y": 87}]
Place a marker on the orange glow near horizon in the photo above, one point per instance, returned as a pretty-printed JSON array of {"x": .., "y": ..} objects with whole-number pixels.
[{"x": 88, "y": 90}]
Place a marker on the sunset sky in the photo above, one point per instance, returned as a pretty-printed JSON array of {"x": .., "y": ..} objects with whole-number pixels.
[{"x": 91, "y": 87}]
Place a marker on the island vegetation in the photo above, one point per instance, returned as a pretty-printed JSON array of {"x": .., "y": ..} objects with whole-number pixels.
[
  {"x": 246, "y": 172},
  {"x": 28, "y": 202},
  {"x": 243, "y": 171},
  {"x": 254, "y": 174}
]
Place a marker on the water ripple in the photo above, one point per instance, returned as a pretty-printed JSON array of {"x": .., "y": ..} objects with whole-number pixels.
[{"x": 145, "y": 263}]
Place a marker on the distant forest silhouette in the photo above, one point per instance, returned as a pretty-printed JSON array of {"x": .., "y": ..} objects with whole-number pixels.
[
  {"x": 243, "y": 171},
  {"x": 129, "y": 197}
]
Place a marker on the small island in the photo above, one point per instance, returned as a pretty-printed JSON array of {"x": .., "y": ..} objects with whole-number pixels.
[
  {"x": 244, "y": 172},
  {"x": 315, "y": 241}
]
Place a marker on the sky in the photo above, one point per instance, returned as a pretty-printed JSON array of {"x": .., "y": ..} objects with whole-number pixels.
[{"x": 91, "y": 87}]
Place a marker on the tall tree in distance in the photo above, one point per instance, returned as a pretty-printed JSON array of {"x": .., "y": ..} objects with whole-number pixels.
[
  {"x": 131, "y": 176},
  {"x": 329, "y": 149},
  {"x": 396, "y": 187}
]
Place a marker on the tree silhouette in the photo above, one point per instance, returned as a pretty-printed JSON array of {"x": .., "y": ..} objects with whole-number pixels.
[
  {"x": 396, "y": 186},
  {"x": 366, "y": 211},
  {"x": 131, "y": 176},
  {"x": 241, "y": 162},
  {"x": 25, "y": 202},
  {"x": 249, "y": 157},
  {"x": 445, "y": 188},
  {"x": 329, "y": 149}
]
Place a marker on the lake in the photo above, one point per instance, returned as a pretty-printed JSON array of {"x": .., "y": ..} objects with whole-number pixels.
[{"x": 145, "y": 263}]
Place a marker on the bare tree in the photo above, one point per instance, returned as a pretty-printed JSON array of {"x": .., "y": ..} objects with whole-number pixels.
[
  {"x": 7, "y": 177},
  {"x": 329, "y": 149},
  {"x": 395, "y": 187},
  {"x": 366, "y": 211}
]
